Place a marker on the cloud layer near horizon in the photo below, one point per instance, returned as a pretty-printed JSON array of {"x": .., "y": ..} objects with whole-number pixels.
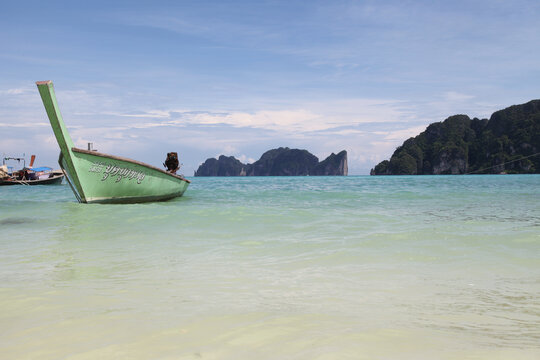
[{"x": 367, "y": 128}]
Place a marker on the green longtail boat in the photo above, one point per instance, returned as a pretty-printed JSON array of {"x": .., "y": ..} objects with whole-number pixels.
[{"x": 95, "y": 177}]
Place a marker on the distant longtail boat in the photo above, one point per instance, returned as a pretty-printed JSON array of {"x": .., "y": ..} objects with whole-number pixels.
[
  {"x": 29, "y": 175},
  {"x": 95, "y": 177}
]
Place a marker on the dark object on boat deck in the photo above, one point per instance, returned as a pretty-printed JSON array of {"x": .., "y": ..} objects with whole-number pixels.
[{"x": 171, "y": 163}]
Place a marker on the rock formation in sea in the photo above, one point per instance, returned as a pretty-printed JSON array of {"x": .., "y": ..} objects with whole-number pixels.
[
  {"x": 283, "y": 162},
  {"x": 223, "y": 166},
  {"x": 335, "y": 164},
  {"x": 277, "y": 162},
  {"x": 509, "y": 142}
]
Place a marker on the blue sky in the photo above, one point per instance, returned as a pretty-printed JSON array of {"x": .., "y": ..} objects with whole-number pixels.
[{"x": 204, "y": 78}]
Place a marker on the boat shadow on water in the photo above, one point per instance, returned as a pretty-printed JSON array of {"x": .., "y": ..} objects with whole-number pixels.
[{"x": 16, "y": 221}]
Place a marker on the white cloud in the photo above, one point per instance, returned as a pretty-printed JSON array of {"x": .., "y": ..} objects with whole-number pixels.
[
  {"x": 159, "y": 114},
  {"x": 288, "y": 120},
  {"x": 454, "y": 96},
  {"x": 227, "y": 150},
  {"x": 246, "y": 159},
  {"x": 305, "y": 118},
  {"x": 16, "y": 91},
  {"x": 403, "y": 134},
  {"x": 24, "y": 125}
]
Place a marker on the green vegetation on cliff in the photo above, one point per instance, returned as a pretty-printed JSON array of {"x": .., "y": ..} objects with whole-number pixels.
[{"x": 509, "y": 142}]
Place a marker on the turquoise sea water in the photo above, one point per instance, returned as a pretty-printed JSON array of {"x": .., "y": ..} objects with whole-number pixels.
[{"x": 427, "y": 267}]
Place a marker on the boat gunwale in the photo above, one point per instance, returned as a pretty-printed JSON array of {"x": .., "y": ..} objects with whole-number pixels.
[{"x": 114, "y": 157}]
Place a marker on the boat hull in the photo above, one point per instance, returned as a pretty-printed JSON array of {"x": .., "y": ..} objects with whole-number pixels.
[
  {"x": 107, "y": 178},
  {"x": 56, "y": 179},
  {"x": 102, "y": 178}
]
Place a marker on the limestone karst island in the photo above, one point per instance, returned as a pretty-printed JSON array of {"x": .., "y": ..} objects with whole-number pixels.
[
  {"x": 277, "y": 162},
  {"x": 507, "y": 143}
]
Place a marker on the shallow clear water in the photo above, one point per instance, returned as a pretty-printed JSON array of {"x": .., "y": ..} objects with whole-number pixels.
[{"x": 427, "y": 267}]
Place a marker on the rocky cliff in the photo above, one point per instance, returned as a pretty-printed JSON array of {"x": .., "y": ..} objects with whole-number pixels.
[
  {"x": 332, "y": 165},
  {"x": 223, "y": 166},
  {"x": 277, "y": 162},
  {"x": 509, "y": 142}
]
